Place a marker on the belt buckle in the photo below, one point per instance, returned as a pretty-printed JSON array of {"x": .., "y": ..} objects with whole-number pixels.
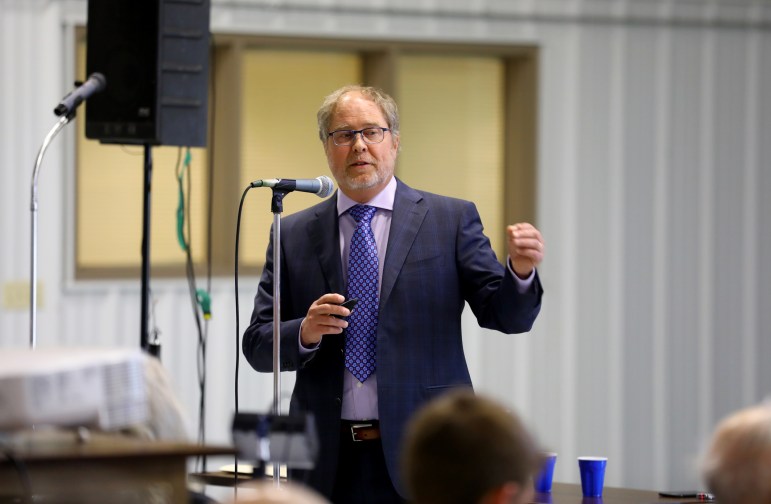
[{"x": 358, "y": 426}]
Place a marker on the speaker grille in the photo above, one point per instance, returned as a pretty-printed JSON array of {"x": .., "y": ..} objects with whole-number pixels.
[{"x": 154, "y": 55}]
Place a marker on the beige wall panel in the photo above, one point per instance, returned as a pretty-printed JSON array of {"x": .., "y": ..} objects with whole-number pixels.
[
  {"x": 282, "y": 92},
  {"x": 452, "y": 131}
]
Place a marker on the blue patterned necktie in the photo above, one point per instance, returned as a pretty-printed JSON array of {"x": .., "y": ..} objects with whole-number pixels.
[{"x": 361, "y": 341}]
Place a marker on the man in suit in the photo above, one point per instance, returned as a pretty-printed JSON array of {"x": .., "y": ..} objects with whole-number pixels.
[
  {"x": 427, "y": 256},
  {"x": 467, "y": 449}
]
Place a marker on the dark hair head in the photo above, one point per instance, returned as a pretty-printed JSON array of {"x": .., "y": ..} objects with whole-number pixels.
[{"x": 462, "y": 446}]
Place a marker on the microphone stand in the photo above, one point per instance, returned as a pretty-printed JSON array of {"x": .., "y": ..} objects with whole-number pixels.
[
  {"x": 60, "y": 124},
  {"x": 277, "y": 206}
]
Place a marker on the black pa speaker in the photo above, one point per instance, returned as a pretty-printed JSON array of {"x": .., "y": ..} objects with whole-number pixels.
[{"x": 154, "y": 55}]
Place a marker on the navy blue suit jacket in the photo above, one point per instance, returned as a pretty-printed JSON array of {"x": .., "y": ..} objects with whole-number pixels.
[{"x": 437, "y": 260}]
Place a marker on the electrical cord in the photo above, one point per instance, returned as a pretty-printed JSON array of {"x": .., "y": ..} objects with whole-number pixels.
[{"x": 198, "y": 297}]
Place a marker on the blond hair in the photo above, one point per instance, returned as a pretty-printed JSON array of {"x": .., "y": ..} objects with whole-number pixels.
[{"x": 737, "y": 466}]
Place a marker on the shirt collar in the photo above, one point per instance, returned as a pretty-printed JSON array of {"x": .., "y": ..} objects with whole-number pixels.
[{"x": 383, "y": 200}]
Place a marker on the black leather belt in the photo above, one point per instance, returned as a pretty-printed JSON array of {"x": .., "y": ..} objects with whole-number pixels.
[{"x": 365, "y": 430}]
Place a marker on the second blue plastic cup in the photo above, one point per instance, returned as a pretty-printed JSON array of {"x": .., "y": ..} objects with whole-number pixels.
[
  {"x": 542, "y": 482},
  {"x": 592, "y": 475}
]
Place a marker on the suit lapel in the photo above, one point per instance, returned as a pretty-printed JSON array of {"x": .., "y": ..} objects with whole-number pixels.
[
  {"x": 324, "y": 238},
  {"x": 408, "y": 214}
]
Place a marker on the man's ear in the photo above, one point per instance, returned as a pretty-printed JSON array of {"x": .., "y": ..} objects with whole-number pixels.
[{"x": 395, "y": 140}]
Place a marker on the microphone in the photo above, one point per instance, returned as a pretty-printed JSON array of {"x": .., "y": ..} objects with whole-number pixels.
[
  {"x": 95, "y": 83},
  {"x": 321, "y": 186}
]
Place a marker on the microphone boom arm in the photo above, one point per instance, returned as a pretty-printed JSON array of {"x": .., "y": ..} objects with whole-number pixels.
[{"x": 60, "y": 124}]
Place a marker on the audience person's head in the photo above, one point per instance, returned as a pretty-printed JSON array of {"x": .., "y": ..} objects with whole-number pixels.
[
  {"x": 266, "y": 492},
  {"x": 463, "y": 448},
  {"x": 737, "y": 466}
]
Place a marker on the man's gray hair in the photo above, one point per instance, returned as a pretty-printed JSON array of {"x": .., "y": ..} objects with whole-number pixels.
[{"x": 380, "y": 98}]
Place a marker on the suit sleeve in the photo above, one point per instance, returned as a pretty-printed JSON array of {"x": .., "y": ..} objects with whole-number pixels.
[{"x": 489, "y": 289}]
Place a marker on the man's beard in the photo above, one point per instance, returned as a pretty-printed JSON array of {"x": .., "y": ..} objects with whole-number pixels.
[{"x": 366, "y": 180}]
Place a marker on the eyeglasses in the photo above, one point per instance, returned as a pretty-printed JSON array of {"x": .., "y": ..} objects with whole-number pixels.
[{"x": 369, "y": 135}]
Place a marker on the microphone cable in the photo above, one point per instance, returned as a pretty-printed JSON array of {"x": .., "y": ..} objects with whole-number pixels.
[{"x": 238, "y": 326}]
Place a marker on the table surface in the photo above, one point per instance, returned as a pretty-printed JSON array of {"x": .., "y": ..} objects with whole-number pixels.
[
  {"x": 118, "y": 449},
  {"x": 64, "y": 466},
  {"x": 570, "y": 493},
  {"x": 562, "y": 493}
]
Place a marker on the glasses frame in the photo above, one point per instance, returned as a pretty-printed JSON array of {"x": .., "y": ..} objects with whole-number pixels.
[{"x": 358, "y": 132}]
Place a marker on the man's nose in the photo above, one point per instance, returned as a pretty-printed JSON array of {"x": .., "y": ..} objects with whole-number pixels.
[{"x": 358, "y": 142}]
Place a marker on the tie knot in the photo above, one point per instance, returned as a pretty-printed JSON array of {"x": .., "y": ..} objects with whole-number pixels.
[{"x": 362, "y": 213}]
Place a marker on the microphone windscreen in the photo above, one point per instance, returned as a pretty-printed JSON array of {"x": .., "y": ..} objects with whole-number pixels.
[{"x": 327, "y": 186}]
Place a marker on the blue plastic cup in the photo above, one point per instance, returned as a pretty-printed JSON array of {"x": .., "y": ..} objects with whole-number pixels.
[
  {"x": 592, "y": 475},
  {"x": 542, "y": 482}
]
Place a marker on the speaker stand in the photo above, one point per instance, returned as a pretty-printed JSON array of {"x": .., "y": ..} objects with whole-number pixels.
[{"x": 144, "y": 340}]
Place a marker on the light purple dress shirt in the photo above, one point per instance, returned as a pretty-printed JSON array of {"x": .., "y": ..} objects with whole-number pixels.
[{"x": 360, "y": 399}]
